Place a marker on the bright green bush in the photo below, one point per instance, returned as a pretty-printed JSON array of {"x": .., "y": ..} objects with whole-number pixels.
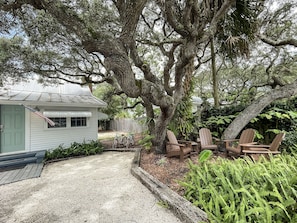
[
  {"x": 76, "y": 149},
  {"x": 242, "y": 190}
]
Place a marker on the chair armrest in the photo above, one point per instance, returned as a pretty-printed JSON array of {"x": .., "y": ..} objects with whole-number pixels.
[
  {"x": 230, "y": 140},
  {"x": 229, "y": 143},
  {"x": 188, "y": 143},
  {"x": 213, "y": 138},
  {"x": 184, "y": 141},
  {"x": 260, "y": 152},
  {"x": 250, "y": 145},
  {"x": 258, "y": 149},
  {"x": 175, "y": 144},
  {"x": 216, "y": 139}
]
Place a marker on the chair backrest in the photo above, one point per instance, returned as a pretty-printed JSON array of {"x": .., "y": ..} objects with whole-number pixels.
[
  {"x": 247, "y": 136},
  {"x": 205, "y": 137},
  {"x": 172, "y": 139},
  {"x": 277, "y": 141}
]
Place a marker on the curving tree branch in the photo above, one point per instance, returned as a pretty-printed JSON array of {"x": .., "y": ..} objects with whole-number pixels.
[{"x": 285, "y": 42}]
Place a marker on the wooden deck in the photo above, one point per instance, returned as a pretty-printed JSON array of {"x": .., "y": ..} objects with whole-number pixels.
[{"x": 32, "y": 170}]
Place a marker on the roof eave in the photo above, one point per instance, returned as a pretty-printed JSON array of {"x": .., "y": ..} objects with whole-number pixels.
[{"x": 35, "y": 103}]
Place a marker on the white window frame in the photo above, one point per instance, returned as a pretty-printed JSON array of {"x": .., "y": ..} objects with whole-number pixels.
[
  {"x": 68, "y": 115},
  {"x": 56, "y": 126},
  {"x": 81, "y": 126},
  {"x": 68, "y": 124}
]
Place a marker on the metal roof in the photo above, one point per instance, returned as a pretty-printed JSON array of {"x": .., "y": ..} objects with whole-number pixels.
[
  {"x": 102, "y": 116},
  {"x": 33, "y": 93}
]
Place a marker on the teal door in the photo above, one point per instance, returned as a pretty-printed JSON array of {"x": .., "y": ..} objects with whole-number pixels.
[{"x": 12, "y": 128}]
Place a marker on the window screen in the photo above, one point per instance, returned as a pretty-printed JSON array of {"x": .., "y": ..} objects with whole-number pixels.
[{"x": 78, "y": 121}]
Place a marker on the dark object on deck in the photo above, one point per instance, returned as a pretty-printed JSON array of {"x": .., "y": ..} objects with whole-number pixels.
[{"x": 20, "y": 166}]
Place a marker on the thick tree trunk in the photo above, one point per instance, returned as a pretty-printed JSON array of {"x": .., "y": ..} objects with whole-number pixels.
[
  {"x": 161, "y": 128},
  {"x": 256, "y": 108},
  {"x": 149, "y": 115},
  {"x": 214, "y": 75}
]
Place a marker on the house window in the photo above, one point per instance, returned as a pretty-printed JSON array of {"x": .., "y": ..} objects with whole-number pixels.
[
  {"x": 78, "y": 121},
  {"x": 60, "y": 122}
]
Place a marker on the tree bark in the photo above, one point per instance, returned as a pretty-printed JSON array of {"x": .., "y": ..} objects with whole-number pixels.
[
  {"x": 214, "y": 75},
  {"x": 161, "y": 127},
  {"x": 290, "y": 41},
  {"x": 256, "y": 108}
]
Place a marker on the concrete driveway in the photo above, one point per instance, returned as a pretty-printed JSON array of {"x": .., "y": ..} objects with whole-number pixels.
[{"x": 97, "y": 189}]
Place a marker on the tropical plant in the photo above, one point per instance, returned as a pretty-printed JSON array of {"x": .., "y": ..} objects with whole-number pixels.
[
  {"x": 182, "y": 121},
  {"x": 146, "y": 142},
  {"x": 75, "y": 149},
  {"x": 289, "y": 145},
  {"x": 279, "y": 116},
  {"x": 243, "y": 190},
  {"x": 204, "y": 155}
]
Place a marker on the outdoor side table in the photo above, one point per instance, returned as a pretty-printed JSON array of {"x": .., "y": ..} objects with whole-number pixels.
[{"x": 195, "y": 147}]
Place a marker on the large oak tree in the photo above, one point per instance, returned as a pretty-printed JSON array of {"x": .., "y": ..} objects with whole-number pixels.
[
  {"x": 111, "y": 40},
  {"x": 147, "y": 49}
]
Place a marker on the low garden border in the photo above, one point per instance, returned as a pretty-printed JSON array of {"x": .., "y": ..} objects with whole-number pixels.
[{"x": 181, "y": 207}]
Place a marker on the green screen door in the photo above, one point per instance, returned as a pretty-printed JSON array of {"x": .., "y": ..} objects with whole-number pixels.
[{"x": 12, "y": 128}]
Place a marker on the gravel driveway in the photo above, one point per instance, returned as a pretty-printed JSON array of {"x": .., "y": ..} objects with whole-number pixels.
[{"x": 91, "y": 189}]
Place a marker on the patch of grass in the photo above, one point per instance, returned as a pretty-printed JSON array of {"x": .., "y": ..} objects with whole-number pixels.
[
  {"x": 163, "y": 204},
  {"x": 162, "y": 161}
]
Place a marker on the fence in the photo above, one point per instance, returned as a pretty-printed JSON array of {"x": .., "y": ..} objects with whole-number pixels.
[{"x": 127, "y": 125}]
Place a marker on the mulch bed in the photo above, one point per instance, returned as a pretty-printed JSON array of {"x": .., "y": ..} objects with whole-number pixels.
[{"x": 168, "y": 170}]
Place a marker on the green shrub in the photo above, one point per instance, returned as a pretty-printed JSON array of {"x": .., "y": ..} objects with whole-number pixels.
[
  {"x": 289, "y": 145},
  {"x": 242, "y": 190},
  {"x": 76, "y": 149},
  {"x": 280, "y": 115},
  {"x": 146, "y": 141}
]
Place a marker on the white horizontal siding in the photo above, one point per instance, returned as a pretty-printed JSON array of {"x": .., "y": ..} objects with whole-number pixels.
[{"x": 41, "y": 138}]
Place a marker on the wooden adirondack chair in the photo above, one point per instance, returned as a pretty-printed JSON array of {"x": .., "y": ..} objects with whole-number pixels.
[
  {"x": 247, "y": 137},
  {"x": 174, "y": 148},
  {"x": 206, "y": 140},
  {"x": 265, "y": 149}
]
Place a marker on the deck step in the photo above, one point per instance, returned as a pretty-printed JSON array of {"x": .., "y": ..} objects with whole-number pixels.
[
  {"x": 31, "y": 170},
  {"x": 21, "y": 159},
  {"x": 16, "y": 156},
  {"x": 17, "y": 162}
]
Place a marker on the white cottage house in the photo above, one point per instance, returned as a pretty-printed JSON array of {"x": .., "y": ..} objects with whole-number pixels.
[{"x": 28, "y": 111}]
